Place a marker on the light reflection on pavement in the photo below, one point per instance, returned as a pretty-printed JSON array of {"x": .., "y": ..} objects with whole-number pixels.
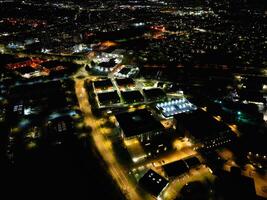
[{"x": 119, "y": 174}]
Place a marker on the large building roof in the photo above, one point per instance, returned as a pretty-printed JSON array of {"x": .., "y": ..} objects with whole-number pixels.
[
  {"x": 125, "y": 82},
  {"x": 175, "y": 106},
  {"x": 192, "y": 162},
  {"x": 201, "y": 124},
  {"x": 132, "y": 96},
  {"x": 154, "y": 94},
  {"x": 153, "y": 182},
  {"x": 138, "y": 122},
  {"x": 103, "y": 84},
  {"x": 106, "y": 98},
  {"x": 176, "y": 168},
  {"x": 235, "y": 186},
  {"x": 179, "y": 167}
]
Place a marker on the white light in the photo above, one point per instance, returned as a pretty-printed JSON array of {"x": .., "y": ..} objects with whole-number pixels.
[{"x": 27, "y": 111}]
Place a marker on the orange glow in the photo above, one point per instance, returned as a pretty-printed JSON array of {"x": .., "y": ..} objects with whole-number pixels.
[
  {"x": 108, "y": 44},
  {"x": 105, "y": 45},
  {"x": 91, "y": 55},
  {"x": 158, "y": 36},
  {"x": 160, "y": 28},
  {"x": 34, "y": 63}
]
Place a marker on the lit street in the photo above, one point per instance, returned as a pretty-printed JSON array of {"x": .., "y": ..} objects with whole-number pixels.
[{"x": 103, "y": 145}]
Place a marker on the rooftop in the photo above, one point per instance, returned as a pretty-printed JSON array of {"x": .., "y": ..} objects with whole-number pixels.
[
  {"x": 176, "y": 106},
  {"x": 132, "y": 96},
  {"x": 201, "y": 125},
  {"x": 158, "y": 144},
  {"x": 103, "y": 84},
  {"x": 236, "y": 186},
  {"x": 154, "y": 94},
  {"x": 192, "y": 162},
  {"x": 108, "y": 98},
  {"x": 176, "y": 168},
  {"x": 125, "y": 70},
  {"x": 138, "y": 122},
  {"x": 125, "y": 82},
  {"x": 179, "y": 167},
  {"x": 153, "y": 182}
]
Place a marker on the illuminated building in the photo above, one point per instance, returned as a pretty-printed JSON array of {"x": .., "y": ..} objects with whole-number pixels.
[
  {"x": 106, "y": 62},
  {"x": 175, "y": 106},
  {"x": 127, "y": 71}
]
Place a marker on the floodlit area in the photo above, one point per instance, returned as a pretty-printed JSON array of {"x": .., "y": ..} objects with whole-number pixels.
[
  {"x": 106, "y": 62},
  {"x": 175, "y": 106},
  {"x": 135, "y": 150}
]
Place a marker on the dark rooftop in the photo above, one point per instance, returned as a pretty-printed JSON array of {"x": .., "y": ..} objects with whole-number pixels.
[
  {"x": 132, "y": 96},
  {"x": 179, "y": 167},
  {"x": 158, "y": 144},
  {"x": 176, "y": 168},
  {"x": 236, "y": 186},
  {"x": 154, "y": 94},
  {"x": 37, "y": 90},
  {"x": 254, "y": 142},
  {"x": 192, "y": 162},
  {"x": 125, "y": 82},
  {"x": 201, "y": 124},
  {"x": 153, "y": 182},
  {"x": 138, "y": 122},
  {"x": 111, "y": 63},
  {"x": 55, "y": 63},
  {"x": 21, "y": 59},
  {"x": 103, "y": 84},
  {"x": 108, "y": 98},
  {"x": 25, "y": 70},
  {"x": 195, "y": 190},
  {"x": 125, "y": 70}
]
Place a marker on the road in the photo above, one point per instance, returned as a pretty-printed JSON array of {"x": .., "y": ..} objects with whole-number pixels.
[
  {"x": 167, "y": 158},
  {"x": 201, "y": 173},
  {"x": 103, "y": 145}
]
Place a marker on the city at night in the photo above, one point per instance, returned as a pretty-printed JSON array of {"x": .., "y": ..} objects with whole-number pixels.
[{"x": 133, "y": 99}]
